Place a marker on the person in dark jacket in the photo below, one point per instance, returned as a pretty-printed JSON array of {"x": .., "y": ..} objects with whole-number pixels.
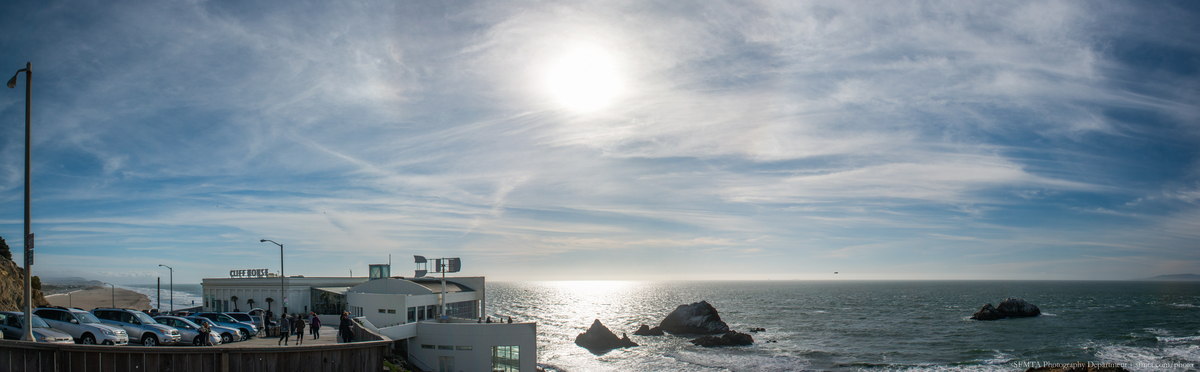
[
  {"x": 315, "y": 325},
  {"x": 344, "y": 331},
  {"x": 299, "y": 329},
  {"x": 285, "y": 327}
]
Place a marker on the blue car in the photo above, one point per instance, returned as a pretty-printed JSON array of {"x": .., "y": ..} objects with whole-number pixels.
[{"x": 245, "y": 330}]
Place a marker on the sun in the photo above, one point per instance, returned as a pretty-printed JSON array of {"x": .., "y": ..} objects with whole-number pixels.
[{"x": 583, "y": 79}]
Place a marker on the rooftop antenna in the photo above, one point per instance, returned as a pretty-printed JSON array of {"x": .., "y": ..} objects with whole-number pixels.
[{"x": 438, "y": 265}]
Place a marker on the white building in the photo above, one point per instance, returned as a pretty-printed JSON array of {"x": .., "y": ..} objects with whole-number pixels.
[{"x": 399, "y": 308}]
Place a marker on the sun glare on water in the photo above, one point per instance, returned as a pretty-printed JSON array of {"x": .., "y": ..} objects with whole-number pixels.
[{"x": 584, "y": 79}]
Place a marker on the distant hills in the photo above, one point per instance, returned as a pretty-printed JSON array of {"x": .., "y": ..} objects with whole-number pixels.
[
  {"x": 71, "y": 281},
  {"x": 1175, "y": 278}
]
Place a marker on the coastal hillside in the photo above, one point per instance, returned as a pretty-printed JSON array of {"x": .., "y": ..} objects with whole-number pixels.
[{"x": 12, "y": 281}]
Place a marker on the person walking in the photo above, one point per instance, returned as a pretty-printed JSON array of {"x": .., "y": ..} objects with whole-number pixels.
[
  {"x": 315, "y": 325},
  {"x": 299, "y": 329},
  {"x": 344, "y": 331},
  {"x": 285, "y": 327}
]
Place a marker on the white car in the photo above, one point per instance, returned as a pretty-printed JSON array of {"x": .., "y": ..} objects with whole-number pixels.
[{"x": 83, "y": 326}]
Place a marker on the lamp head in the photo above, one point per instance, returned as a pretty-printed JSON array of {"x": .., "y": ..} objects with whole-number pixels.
[
  {"x": 262, "y": 241},
  {"x": 12, "y": 83}
]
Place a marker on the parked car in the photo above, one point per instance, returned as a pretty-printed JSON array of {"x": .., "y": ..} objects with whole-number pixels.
[
  {"x": 140, "y": 326},
  {"x": 12, "y": 323},
  {"x": 83, "y": 326},
  {"x": 246, "y": 329},
  {"x": 227, "y": 334},
  {"x": 189, "y": 330},
  {"x": 258, "y": 314}
]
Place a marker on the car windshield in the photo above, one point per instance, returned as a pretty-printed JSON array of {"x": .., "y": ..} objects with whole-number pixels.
[
  {"x": 226, "y": 318},
  {"x": 87, "y": 318},
  {"x": 241, "y": 317},
  {"x": 199, "y": 320},
  {"x": 145, "y": 319},
  {"x": 37, "y": 321},
  {"x": 188, "y": 323}
]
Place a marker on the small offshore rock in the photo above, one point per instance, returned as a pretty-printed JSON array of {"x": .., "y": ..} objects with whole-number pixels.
[
  {"x": 755, "y": 330},
  {"x": 645, "y": 330},
  {"x": 699, "y": 318},
  {"x": 988, "y": 312},
  {"x": 730, "y": 338},
  {"x": 600, "y": 338}
]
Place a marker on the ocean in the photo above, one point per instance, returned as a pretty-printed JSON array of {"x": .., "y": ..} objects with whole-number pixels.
[
  {"x": 186, "y": 295},
  {"x": 868, "y": 326}
]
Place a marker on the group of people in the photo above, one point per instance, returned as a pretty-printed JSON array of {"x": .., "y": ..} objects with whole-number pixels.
[{"x": 294, "y": 325}]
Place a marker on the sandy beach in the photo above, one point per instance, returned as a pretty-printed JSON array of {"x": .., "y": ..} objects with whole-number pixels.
[{"x": 101, "y": 297}]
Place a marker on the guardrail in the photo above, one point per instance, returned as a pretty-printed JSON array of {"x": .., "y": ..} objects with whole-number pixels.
[{"x": 30, "y": 356}]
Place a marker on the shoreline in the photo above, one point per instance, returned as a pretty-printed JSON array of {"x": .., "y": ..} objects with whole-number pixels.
[{"x": 88, "y": 299}]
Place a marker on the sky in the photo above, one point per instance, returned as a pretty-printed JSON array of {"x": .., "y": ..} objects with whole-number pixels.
[{"x": 607, "y": 140}]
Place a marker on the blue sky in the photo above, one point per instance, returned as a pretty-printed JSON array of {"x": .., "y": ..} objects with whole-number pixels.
[{"x": 607, "y": 140}]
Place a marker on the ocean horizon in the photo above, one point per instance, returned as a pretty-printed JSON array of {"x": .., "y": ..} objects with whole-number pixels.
[{"x": 909, "y": 325}]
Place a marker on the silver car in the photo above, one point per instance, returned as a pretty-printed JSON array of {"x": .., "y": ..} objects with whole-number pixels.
[
  {"x": 139, "y": 326},
  {"x": 12, "y": 323},
  {"x": 83, "y": 326},
  {"x": 227, "y": 334},
  {"x": 189, "y": 330},
  {"x": 246, "y": 329}
]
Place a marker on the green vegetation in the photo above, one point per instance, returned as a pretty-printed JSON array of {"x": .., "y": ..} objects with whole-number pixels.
[
  {"x": 35, "y": 282},
  {"x": 4, "y": 252}
]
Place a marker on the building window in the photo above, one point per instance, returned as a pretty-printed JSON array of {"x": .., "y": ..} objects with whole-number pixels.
[
  {"x": 420, "y": 313},
  {"x": 382, "y": 311},
  {"x": 468, "y": 347},
  {"x": 431, "y": 312},
  {"x": 412, "y": 314},
  {"x": 423, "y": 346},
  {"x": 391, "y": 311},
  {"x": 445, "y": 347},
  {"x": 506, "y": 359}
]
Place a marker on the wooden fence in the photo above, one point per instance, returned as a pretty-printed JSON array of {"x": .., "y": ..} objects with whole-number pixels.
[{"x": 29, "y": 356}]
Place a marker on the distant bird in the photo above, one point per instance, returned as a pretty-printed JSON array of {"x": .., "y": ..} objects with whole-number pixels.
[{"x": 835, "y": 272}]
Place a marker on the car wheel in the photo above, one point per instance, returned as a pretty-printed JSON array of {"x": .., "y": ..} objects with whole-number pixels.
[
  {"x": 149, "y": 340},
  {"x": 245, "y": 335},
  {"x": 197, "y": 341},
  {"x": 226, "y": 338},
  {"x": 87, "y": 339}
]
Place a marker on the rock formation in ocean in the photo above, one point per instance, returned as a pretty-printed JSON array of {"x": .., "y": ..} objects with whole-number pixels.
[
  {"x": 1017, "y": 308},
  {"x": 12, "y": 288},
  {"x": 730, "y": 338},
  {"x": 695, "y": 319},
  {"x": 645, "y": 330},
  {"x": 599, "y": 339},
  {"x": 988, "y": 312},
  {"x": 1009, "y": 308},
  {"x": 1079, "y": 367}
]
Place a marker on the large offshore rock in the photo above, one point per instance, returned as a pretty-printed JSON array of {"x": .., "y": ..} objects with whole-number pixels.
[
  {"x": 695, "y": 319},
  {"x": 1017, "y": 308},
  {"x": 645, "y": 330},
  {"x": 1009, "y": 308},
  {"x": 600, "y": 338},
  {"x": 730, "y": 338}
]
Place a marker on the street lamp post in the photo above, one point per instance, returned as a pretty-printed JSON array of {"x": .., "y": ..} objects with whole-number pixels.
[
  {"x": 172, "y": 287},
  {"x": 28, "y": 334},
  {"x": 283, "y": 305}
]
